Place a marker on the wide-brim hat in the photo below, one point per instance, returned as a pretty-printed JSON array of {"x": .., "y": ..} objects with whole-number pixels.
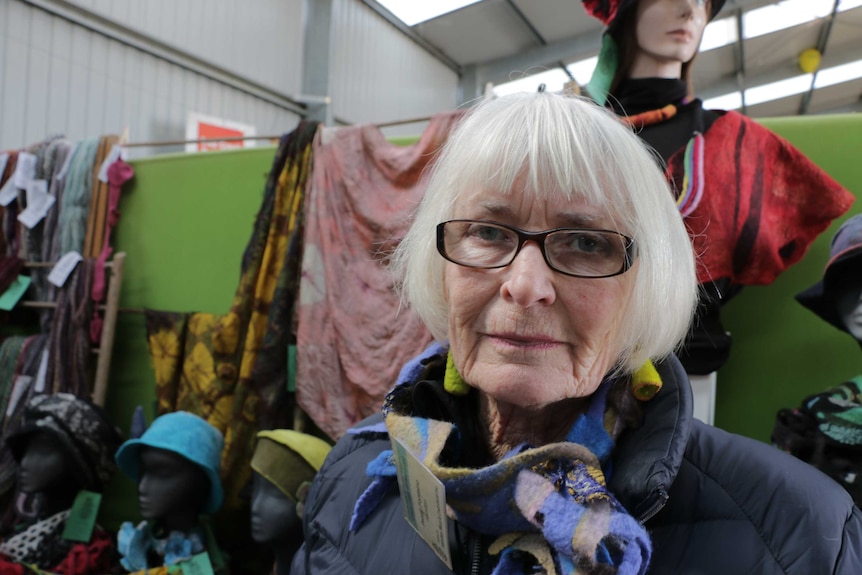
[
  {"x": 187, "y": 435},
  {"x": 845, "y": 261},
  {"x": 611, "y": 13},
  {"x": 81, "y": 428},
  {"x": 288, "y": 458}
]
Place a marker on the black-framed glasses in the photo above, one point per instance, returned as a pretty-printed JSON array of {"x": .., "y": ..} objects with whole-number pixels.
[{"x": 582, "y": 253}]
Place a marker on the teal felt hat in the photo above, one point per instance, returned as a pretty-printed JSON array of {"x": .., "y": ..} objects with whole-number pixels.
[{"x": 187, "y": 435}]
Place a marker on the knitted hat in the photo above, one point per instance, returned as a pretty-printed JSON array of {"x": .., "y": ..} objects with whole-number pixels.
[
  {"x": 88, "y": 438},
  {"x": 611, "y": 13},
  {"x": 844, "y": 262},
  {"x": 187, "y": 435},
  {"x": 287, "y": 459}
]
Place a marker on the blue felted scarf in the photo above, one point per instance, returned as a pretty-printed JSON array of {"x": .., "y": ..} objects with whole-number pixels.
[{"x": 550, "y": 502}]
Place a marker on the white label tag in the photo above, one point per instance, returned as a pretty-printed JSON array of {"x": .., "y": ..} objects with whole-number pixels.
[
  {"x": 22, "y": 382},
  {"x": 9, "y": 193},
  {"x": 63, "y": 268},
  {"x": 424, "y": 500},
  {"x": 25, "y": 170},
  {"x": 4, "y": 159},
  {"x": 67, "y": 162},
  {"x": 42, "y": 374},
  {"x": 39, "y": 201},
  {"x": 113, "y": 156}
]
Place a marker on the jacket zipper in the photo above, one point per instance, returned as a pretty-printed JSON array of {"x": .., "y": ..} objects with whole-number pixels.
[
  {"x": 660, "y": 500},
  {"x": 475, "y": 551}
]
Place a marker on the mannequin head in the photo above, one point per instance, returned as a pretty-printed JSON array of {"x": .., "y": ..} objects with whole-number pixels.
[
  {"x": 176, "y": 464},
  {"x": 284, "y": 464},
  {"x": 653, "y": 38},
  {"x": 64, "y": 444},
  {"x": 171, "y": 489},
  {"x": 837, "y": 298},
  {"x": 273, "y": 514}
]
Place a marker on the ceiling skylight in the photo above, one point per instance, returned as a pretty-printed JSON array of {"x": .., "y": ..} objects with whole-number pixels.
[{"x": 412, "y": 12}]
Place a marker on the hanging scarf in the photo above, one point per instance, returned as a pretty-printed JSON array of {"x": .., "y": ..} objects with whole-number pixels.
[{"x": 547, "y": 505}]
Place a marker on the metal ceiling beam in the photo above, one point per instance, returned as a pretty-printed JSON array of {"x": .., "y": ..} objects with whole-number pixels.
[
  {"x": 536, "y": 34},
  {"x": 413, "y": 35},
  {"x": 776, "y": 73},
  {"x": 739, "y": 50},
  {"x": 822, "y": 41}
]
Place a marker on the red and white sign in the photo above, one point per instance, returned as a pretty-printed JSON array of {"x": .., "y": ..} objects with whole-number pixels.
[{"x": 202, "y": 127}]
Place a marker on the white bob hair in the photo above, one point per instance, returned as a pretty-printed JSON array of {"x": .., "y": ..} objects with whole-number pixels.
[{"x": 568, "y": 146}]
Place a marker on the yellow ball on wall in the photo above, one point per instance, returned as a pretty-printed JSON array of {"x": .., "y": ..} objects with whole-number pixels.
[{"x": 809, "y": 60}]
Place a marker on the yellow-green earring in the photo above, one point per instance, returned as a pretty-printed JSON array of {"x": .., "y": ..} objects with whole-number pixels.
[
  {"x": 452, "y": 381},
  {"x": 646, "y": 382}
]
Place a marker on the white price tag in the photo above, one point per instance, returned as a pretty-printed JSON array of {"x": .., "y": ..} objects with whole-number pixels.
[
  {"x": 424, "y": 500},
  {"x": 64, "y": 268},
  {"x": 113, "y": 156},
  {"x": 25, "y": 170},
  {"x": 22, "y": 382},
  {"x": 4, "y": 159},
  {"x": 42, "y": 374},
  {"x": 39, "y": 201},
  {"x": 67, "y": 162},
  {"x": 9, "y": 193}
]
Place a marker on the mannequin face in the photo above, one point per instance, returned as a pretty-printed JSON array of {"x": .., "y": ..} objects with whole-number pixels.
[
  {"x": 849, "y": 306},
  {"x": 169, "y": 485},
  {"x": 43, "y": 467},
  {"x": 668, "y": 34},
  {"x": 273, "y": 514}
]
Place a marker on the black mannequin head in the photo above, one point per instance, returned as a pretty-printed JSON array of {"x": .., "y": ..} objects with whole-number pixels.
[
  {"x": 273, "y": 514},
  {"x": 171, "y": 489},
  {"x": 46, "y": 471}
]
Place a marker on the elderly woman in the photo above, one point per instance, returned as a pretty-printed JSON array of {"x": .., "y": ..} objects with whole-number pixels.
[{"x": 551, "y": 264}]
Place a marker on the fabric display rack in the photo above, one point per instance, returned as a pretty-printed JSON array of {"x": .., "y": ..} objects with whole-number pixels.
[{"x": 59, "y": 280}]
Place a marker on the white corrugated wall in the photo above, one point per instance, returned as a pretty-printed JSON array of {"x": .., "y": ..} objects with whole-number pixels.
[
  {"x": 58, "y": 76},
  {"x": 380, "y": 75}
]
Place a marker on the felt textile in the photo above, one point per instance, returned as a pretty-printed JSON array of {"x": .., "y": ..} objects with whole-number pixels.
[
  {"x": 136, "y": 543},
  {"x": 557, "y": 491},
  {"x": 185, "y": 434},
  {"x": 83, "y": 428},
  {"x": 231, "y": 368},
  {"x": 783, "y": 201},
  {"x": 841, "y": 270},
  {"x": 353, "y": 333},
  {"x": 288, "y": 459}
]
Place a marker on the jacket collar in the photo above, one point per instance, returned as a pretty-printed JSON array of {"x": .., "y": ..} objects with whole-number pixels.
[{"x": 647, "y": 459}]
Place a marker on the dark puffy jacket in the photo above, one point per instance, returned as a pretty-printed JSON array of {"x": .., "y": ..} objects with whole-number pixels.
[{"x": 714, "y": 503}]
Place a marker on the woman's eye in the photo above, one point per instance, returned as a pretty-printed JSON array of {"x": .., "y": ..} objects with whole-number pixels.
[{"x": 488, "y": 233}]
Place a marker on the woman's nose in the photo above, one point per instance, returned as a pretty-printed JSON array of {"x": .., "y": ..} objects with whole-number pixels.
[{"x": 529, "y": 280}]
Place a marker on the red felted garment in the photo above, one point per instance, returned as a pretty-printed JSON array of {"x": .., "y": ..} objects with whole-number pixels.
[
  {"x": 763, "y": 203},
  {"x": 93, "y": 558}
]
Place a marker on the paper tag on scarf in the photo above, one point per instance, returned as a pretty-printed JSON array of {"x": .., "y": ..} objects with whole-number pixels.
[
  {"x": 22, "y": 382},
  {"x": 39, "y": 201},
  {"x": 9, "y": 193},
  {"x": 197, "y": 565},
  {"x": 82, "y": 516},
  {"x": 113, "y": 156},
  {"x": 64, "y": 268},
  {"x": 25, "y": 170},
  {"x": 13, "y": 293},
  {"x": 67, "y": 162},
  {"x": 423, "y": 497}
]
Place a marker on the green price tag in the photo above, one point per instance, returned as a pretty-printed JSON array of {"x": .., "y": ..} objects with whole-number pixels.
[
  {"x": 11, "y": 296},
  {"x": 82, "y": 517},
  {"x": 197, "y": 565}
]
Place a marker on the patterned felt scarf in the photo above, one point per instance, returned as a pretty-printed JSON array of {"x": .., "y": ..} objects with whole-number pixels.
[{"x": 547, "y": 505}]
